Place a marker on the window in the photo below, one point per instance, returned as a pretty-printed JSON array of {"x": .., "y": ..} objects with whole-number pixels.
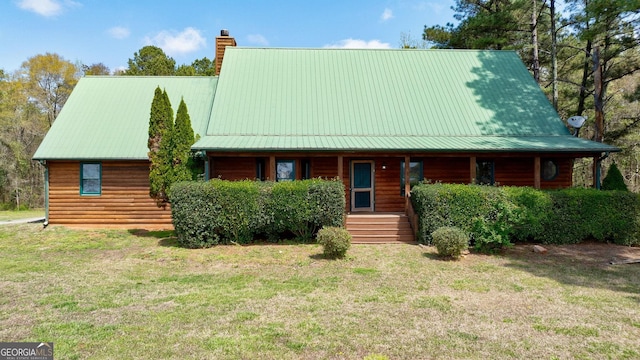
[
  {"x": 306, "y": 169},
  {"x": 549, "y": 170},
  {"x": 415, "y": 174},
  {"x": 485, "y": 172},
  {"x": 260, "y": 170},
  {"x": 285, "y": 170},
  {"x": 90, "y": 178}
]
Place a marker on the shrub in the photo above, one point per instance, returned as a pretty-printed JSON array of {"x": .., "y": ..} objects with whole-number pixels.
[
  {"x": 303, "y": 207},
  {"x": 208, "y": 213},
  {"x": 532, "y": 211},
  {"x": 220, "y": 212},
  {"x": 327, "y": 202},
  {"x": 485, "y": 212},
  {"x": 334, "y": 240},
  {"x": 496, "y": 215},
  {"x": 450, "y": 241},
  {"x": 580, "y": 214},
  {"x": 614, "y": 179},
  {"x": 288, "y": 209}
]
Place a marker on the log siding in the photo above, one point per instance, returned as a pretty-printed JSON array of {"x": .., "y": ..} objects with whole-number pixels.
[{"x": 123, "y": 202}]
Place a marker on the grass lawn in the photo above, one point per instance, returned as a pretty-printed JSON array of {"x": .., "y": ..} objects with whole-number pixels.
[
  {"x": 9, "y": 215},
  {"x": 115, "y": 294}
]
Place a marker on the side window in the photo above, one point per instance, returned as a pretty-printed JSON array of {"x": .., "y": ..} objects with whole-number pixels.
[
  {"x": 285, "y": 170},
  {"x": 549, "y": 170},
  {"x": 260, "y": 169},
  {"x": 485, "y": 172},
  {"x": 306, "y": 169},
  {"x": 90, "y": 178},
  {"x": 415, "y": 174}
]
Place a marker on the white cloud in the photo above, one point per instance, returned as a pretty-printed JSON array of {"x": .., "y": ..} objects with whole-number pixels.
[
  {"x": 386, "y": 15},
  {"x": 41, "y": 7},
  {"x": 119, "y": 32},
  {"x": 189, "y": 40},
  {"x": 358, "y": 44},
  {"x": 257, "y": 39}
]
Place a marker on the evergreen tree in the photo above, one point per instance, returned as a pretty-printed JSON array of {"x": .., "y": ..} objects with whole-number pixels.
[
  {"x": 169, "y": 146},
  {"x": 614, "y": 179},
  {"x": 160, "y": 146},
  {"x": 182, "y": 139}
]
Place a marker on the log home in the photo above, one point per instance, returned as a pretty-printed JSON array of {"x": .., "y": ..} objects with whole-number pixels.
[{"x": 380, "y": 120}]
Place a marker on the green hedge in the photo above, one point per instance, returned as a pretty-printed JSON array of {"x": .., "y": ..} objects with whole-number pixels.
[
  {"x": 221, "y": 212},
  {"x": 570, "y": 216},
  {"x": 482, "y": 211},
  {"x": 494, "y": 216}
]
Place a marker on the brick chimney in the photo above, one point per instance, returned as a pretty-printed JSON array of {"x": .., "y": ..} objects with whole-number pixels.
[{"x": 222, "y": 41}]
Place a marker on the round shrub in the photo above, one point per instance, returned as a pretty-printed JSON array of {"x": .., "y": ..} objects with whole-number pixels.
[
  {"x": 335, "y": 241},
  {"x": 450, "y": 241}
]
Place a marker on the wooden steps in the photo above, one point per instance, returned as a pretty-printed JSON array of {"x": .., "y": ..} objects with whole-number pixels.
[{"x": 379, "y": 228}]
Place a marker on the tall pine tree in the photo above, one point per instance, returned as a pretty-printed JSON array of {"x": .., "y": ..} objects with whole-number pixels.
[
  {"x": 169, "y": 146},
  {"x": 182, "y": 140},
  {"x": 160, "y": 145}
]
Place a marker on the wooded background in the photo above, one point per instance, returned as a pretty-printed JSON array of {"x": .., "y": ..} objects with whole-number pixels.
[{"x": 584, "y": 54}]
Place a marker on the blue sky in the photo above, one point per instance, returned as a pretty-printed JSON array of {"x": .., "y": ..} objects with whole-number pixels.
[{"x": 110, "y": 31}]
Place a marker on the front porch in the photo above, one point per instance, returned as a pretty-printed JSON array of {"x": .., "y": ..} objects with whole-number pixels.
[{"x": 376, "y": 182}]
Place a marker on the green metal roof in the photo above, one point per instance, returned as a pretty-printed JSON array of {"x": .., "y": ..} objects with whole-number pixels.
[
  {"x": 393, "y": 100},
  {"x": 325, "y": 100},
  {"x": 108, "y": 117}
]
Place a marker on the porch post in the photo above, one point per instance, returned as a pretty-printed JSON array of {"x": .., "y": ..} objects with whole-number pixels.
[
  {"x": 407, "y": 181},
  {"x": 272, "y": 167},
  {"x": 536, "y": 172},
  {"x": 340, "y": 167},
  {"x": 472, "y": 170}
]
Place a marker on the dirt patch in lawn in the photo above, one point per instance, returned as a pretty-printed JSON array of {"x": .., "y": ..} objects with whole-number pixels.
[{"x": 589, "y": 253}]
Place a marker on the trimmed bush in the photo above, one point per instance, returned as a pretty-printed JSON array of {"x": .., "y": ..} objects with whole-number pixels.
[
  {"x": 450, "y": 241},
  {"x": 496, "y": 215},
  {"x": 614, "y": 179},
  {"x": 334, "y": 240},
  {"x": 589, "y": 214},
  {"x": 221, "y": 212},
  {"x": 482, "y": 211},
  {"x": 532, "y": 210},
  {"x": 327, "y": 202},
  {"x": 209, "y": 213}
]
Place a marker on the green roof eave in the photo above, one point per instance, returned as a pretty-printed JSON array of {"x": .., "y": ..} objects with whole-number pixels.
[{"x": 541, "y": 144}]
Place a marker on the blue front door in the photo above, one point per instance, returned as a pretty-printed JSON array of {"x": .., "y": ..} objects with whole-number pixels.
[{"x": 362, "y": 185}]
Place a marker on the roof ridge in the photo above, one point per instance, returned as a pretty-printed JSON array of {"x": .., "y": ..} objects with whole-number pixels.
[{"x": 233, "y": 48}]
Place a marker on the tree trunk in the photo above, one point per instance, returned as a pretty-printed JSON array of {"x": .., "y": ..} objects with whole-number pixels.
[
  {"x": 534, "y": 43},
  {"x": 585, "y": 77},
  {"x": 598, "y": 101},
  {"x": 554, "y": 54}
]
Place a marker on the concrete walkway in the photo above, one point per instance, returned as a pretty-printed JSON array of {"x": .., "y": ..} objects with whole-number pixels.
[{"x": 23, "y": 221}]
